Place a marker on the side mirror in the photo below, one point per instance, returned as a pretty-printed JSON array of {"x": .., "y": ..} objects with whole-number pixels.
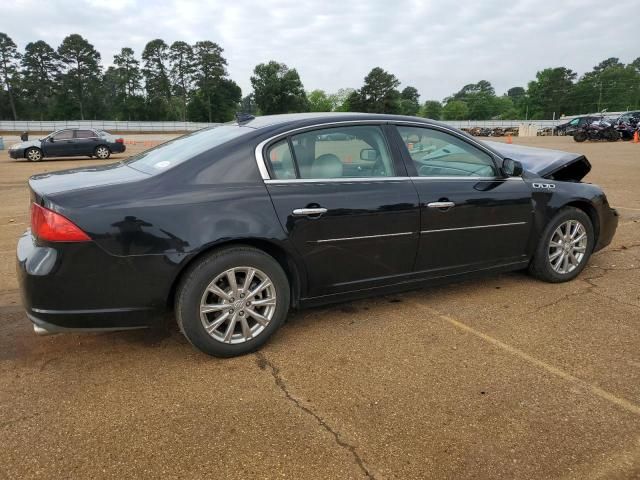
[
  {"x": 51, "y": 139},
  {"x": 511, "y": 168},
  {"x": 368, "y": 154}
]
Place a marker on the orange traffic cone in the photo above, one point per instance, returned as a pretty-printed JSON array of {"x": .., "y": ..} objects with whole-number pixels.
[
  {"x": 509, "y": 141},
  {"x": 635, "y": 137}
]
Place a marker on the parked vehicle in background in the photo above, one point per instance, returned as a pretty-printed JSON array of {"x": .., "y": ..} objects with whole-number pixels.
[
  {"x": 232, "y": 226},
  {"x": 627, "y": 123},
  {"x": 575, "y": 124},
  {"x": 600, "y": 129},
  {"x": 69, "y": 142}
]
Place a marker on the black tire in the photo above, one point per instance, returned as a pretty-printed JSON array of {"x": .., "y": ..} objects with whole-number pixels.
[
  {"x": 613, "y": 136},
  {"x": 102, "y": 152},
  {"x": 580, "y": 137},
  {"x": 540, "y": 266},
  {"x": 192, "y": 288},
  {"x": 33, "y": 154}
]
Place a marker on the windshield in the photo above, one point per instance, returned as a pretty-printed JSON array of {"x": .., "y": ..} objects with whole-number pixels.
[{"x": 178, "y": 150}]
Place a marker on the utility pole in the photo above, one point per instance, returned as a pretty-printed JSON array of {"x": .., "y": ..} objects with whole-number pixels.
[{"x": 600, "y": 96}]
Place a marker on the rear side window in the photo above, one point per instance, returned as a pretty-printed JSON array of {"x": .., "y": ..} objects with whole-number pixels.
[
  {"x": 85, "y": 134},
  {"x": 338, "y": 152},
  {"x": 181, "y": 149}
]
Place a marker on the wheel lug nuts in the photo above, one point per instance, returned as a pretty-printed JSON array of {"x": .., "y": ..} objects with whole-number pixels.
[
  {"x": 241, "y": 313},
  {"x": 248, "y": 304},
  {"x": 231, "y": 311},
  {"x": 242, "y": 295}
]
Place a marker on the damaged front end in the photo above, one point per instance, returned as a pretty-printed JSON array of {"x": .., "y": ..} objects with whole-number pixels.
[{"x": 549, "y": 164}]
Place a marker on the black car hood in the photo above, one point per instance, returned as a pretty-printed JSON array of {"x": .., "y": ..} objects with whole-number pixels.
[{"x": 552, "y": 164}]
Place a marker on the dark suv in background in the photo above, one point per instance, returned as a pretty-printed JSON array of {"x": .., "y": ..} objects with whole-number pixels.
[{"x": 69, "y": 142}]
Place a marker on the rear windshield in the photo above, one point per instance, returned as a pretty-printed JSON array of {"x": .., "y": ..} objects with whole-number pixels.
[{"x": 178, "y": 150}]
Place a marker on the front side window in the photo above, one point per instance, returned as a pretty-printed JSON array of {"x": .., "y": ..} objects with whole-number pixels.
[
  {"x": 63, "y": 135},
  {"x": 439, "y": 154}
]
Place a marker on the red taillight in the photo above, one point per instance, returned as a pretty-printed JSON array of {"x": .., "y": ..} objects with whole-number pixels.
[
  {"x": 119, "y": 140},
  {"x": 52, "y": 227}
]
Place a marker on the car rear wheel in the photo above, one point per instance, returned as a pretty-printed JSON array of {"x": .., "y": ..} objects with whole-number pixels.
[
  {"x": 232, "y": 301},
  {"x": 564, "y": 248},
  {"x": 33, "y": 154},
  {"x": 102, "y": 152}
]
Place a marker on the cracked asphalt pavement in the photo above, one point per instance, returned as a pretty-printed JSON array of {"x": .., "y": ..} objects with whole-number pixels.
[{"x": 505, "y": 377}]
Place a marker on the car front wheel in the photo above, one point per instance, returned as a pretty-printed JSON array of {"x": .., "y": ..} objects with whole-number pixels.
[
  {"x": 232, "y": 301},
  {"x": 564, "y": 248},
  {"x": 102, "y": 152},
  {"x": 34, "y": 154}
]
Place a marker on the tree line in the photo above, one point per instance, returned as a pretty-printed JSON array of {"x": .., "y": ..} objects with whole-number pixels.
[{"x": 187, "y": 82}]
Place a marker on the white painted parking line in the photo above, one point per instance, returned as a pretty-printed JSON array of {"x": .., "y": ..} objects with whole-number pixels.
[{"x": 621, "y": 402}]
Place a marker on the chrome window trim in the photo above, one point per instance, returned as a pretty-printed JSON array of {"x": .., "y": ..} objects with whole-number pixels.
[
  {"x": 364, "y": 237},
  {"x": 474, "y": 227},
  {"x": 337, "y": 180},
  {"x": 393, "y": 179},
  {"x": 470, "y": 179},
  {"x": 264, "y": 171}
]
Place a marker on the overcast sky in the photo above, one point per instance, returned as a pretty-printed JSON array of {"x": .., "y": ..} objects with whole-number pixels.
[{"x": 435, "y": 46}]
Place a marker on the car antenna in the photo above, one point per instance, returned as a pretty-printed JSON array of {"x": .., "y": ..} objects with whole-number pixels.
[{"x": 244, "y": 117}]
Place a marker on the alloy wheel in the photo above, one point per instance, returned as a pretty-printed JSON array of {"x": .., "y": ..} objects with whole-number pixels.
[
  {"x": 567, "y": 246},
  {"x": 34, "y": 155},
  {"x": 238, "y": 305},
  {"x": 102, "y": 152}
]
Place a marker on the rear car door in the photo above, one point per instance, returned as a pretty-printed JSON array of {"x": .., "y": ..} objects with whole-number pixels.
[
  {"x": 59, "y": 144},
  {"x": 346, "y": 204},
  {"x": 472, "y": 217},
  {"x": 85, "y": 141}
]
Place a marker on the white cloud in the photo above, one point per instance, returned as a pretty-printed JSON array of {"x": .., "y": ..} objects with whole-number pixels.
[{"x": 435, "y": 46}]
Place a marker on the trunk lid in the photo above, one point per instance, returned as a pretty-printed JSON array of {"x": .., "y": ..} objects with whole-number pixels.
[
  {"x": 551, "y": 164},
  {"x": 53, "y": 183}
]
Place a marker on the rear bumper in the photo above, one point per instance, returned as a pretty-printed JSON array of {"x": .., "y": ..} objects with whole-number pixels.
[
  {"x": 79, "y": 287},
  {"x": 608, "y": 226},
  {"x": 117, "y": 147}
]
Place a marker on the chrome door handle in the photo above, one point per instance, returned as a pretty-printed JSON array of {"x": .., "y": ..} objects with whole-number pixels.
[
  {"x": 303, "y": 212},
  {"x": 441, "y": 204}
]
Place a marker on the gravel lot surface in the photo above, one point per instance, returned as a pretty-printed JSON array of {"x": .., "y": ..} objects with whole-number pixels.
[{"x": 505, "y": 377}]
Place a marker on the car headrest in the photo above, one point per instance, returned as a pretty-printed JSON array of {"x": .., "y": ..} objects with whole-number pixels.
[{"x": 326, "y": 166}]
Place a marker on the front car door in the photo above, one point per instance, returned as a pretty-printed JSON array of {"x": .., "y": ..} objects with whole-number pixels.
[
  {"x": 346, "y": 204},
  {"x": 59, "y": 144},
  {"x": 472, "y": 217}
]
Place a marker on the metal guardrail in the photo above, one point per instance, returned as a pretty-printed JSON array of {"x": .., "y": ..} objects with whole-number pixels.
[{"x": 116, "y": 126}]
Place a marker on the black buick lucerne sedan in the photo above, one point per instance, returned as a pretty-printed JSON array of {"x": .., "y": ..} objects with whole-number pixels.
[
  {"x": 69, "y": 142},
  {"x": 234, "y": 225}
]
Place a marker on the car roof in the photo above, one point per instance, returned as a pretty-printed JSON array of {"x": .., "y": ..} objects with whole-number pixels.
[{"x": 295, "y": 119}]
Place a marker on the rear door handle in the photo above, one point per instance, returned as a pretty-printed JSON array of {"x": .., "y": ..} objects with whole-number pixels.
[
  {"x": 441, "y": 204},
  {"x": 304, "y": 212}
]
